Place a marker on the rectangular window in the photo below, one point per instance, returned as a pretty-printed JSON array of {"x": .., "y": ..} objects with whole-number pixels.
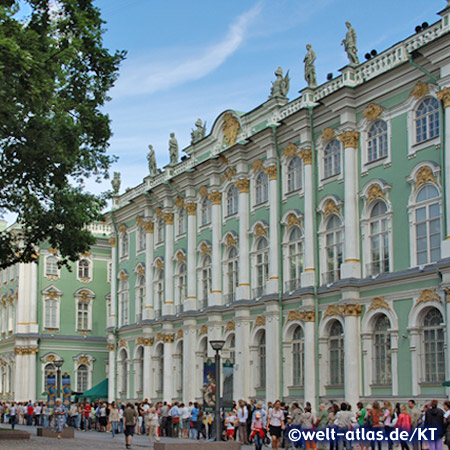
[{"x": 83, "y": 316}]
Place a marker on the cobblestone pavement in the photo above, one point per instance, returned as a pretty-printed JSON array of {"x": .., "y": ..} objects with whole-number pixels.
[{"x": 91, "y": 440}]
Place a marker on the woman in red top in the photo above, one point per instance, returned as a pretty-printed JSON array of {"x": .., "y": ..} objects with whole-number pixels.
[{"x": 404, "y": 423}]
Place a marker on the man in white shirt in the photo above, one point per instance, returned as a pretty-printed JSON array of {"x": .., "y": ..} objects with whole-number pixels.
[{"x": 242, "y": 414}]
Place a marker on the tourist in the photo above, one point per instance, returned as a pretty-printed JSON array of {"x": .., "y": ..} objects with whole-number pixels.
[
  {"x": 12, "y": 415},
  {"x": 242, "y": 416},
  {"x": 130, "y": 418},
  {"x": 175, "y": 414},
  {"x": 152, "y": 425},
  {"x": 434, "y": 418},
  {"x": 59, "y": 417},
  {"x": 257, "y": 431},
  {"x": 390, "y": 418},
  {"x": 344, "y": 421},
  {"x": 46, "y": 414},
  {"x": 194, "y": 419},
  {"x": 404, "y": 423},
  {"x": 201, "y": 429},
  {"x": 275, "y": 424},
  {"x": 307, "y": 421},
  {"x": 185, "y": 420},
  {"x": 414, "y": 412},
  {"x": 114, "y": 418},
  {"x": 230, "y": 424}
]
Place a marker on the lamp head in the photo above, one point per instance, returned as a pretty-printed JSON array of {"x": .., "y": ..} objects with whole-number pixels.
[
  {"x": 58, "y": 363},
  {"x": 217, "y": 345}
]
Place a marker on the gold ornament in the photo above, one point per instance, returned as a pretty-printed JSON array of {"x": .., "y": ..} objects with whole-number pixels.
[
  {"x": 293, "y": 316},
  {"x": 292, "y": 220},
  {"x": 271, "y": 171},
  {"x": 53, "y": 250},
  {"x": 204, "y": 249},
  {"x": 444, "y": 97},
  {"x": 330, "y": 208},
  {"x": 203, "y": 191},
  {"x": 327, "y": 134},
  {"x": 112, "y": 242},
  {"x": 181, "y": 257},
  {"x": 290, "y": 150},
  {"x": 169, "y": 338},
  {"x": 378, "y": 303},
  {"x": 223, "y": 159},
  {"x": 159, "y": 337},
  {"x": 122, "y": 343},
  {"x": 215, "y": 197},
  {"x": 148, "y": 342},
  {"x": 260, "y": 321},
  {"x": 428, "y": 295},
  {"x": 191, "y": 208},
  {"x": 179, "y": 201},
  {"x": 420, "y": 90},
  {"x": 331, "y": 311},
  {"x": 374, "y": 192},
  {"x": 168, "y": 218},
  {"x": 50, "y": 358},
  {"x": 257, "y": 165},
  {"x": 123, "y": 276},
  {"x": 230, "y": 129},
  {"x": 424, "y": 175},
  {"x": 230, "y": 326},
  {"x": 242, "y": 185},
  {"x": 308, "y": 316},
  {"x": 229, "y": 173},
  {"x": 158, "y": 211},
  {"x": 351, "y": 309},
  {"x": 123, "y": 228},
  {"x": 84, "y": 360},
  {"x": 230, "y": 240},
  {"x": 111, "y": 347},
  {"x": 159, "y": 264},
  {"x": 349, "y": 139},
  {"x": 260, "y": 231},
  {"x": 306, "y": 156},
  {"x": 373, "y": 111},
  {"x": 203, "y": 330},
  {"x": 180, "y": 334}
]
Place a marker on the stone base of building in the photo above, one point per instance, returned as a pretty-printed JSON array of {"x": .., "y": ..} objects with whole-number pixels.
[
  {"x": 205, "y": 445},
  {"x": 13, "y": 435},
  {"x": 67, "y": 433}
]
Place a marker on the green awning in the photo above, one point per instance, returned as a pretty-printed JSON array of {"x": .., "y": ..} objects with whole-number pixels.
[
  {"x": 99, "y": 391},
  {"x": 446, "y": 383}
]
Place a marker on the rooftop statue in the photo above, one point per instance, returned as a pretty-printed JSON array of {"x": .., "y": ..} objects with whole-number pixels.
[
  {"x": 280, "y": 87},
  {"x": 310, "y": 68},
  {"x": 115, "y": 183},
  {"x": 173, "y": 149},
  {"x": 151, "y": 158},
  {"x": 199, "y": 133},
  {"x": 349, "y": 44}
]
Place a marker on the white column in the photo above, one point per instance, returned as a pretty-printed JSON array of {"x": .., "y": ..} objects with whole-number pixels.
[
  {"x": 414, "y": 342},
  {"x": 273, "y": 351},
  {"x": 308, "y": 274},
  {"x": 149, "y": 251},
  {"x": 168, "y": 306},
  {"x": 351, "y": 268},
  {"x": 146, "y": 369},
  {"x": 33, "y": 327},
  {"x": 111, "y": 369},
  {"x": 19, "y": 394},
  {"x": 31, "y": 363},
  {"x": 189, "y": 340},
  {"x": 444, "y": 96},
  {"x": 190, "y": 304},
  {"x": 112, "y": 320},
  {"x": 274, "y": 238},
  {"x": 310, "y": 358},
  {"x": 128, "y": 373},
  {"x": 394, "y": 363},
  {"x": 215, "y": 298},
  {"x": 367, "y": 363},
  {"x": 168, "y": 393},
  {"x": 241, "y": 378},
  {"x": 352, "y": 350},
  {"x": 243, "y": 290},
  {"x": 447, "y": 362}
]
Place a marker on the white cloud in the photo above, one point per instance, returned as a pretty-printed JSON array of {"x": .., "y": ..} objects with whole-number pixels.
[{"x": 150, "y": 78}]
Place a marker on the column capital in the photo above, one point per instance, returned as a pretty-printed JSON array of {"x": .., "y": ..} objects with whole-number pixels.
[
  {"x": 111, "y": 347},
  {"x": 306, "y": 155},
  {"x": 349, "y": 138},
  {"x": 242, "y": 185},
  {"x": 168, "y": 218},
  {"x": 191, "y": 208},
  {"x": 444, "y": 96},
  {"x": 351, "y": 309},
  {"x": 308, "y": 316},
  {"x": 272, "y": 172},
  {"x": 215, "y": 197},
  {"x": 112, "y": 242}
]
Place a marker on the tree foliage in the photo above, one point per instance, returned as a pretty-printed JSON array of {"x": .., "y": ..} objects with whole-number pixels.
[{"x": 55, "y": 75}]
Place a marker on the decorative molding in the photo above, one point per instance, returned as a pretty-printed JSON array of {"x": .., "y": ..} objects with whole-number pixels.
[
  {"x": 242, "y": 185},
  {"x": 147, "y": 226},
  {"x": 260, "y": 230},
  {"x": 257, "y": 165},
  {"x": 230, "y": 129},
  {"x": 308, "y": 316},
  {"x": 111, "y": 347},
  {"x": 373, "y": 111},
  {"x": 230, "y": 326},
  {"x": 148, "y": 342},
  {"x": 378, "y": 303},
  {"x": 158, "y": 211},
  {"x": 230, "y": 240},
  {"x": 123, "y": 276},
  {"x": 122, "y": 343},
  {"x": 374, "y": 192},
  {"x": 330, "y": 208},
  {"x": 306, "y": 155},
  {"x": 203, "y": 191},
  {"x": 290, "y": 150},
  {"x": 180, "y": 334},
  {"x": 179, "y": 201},
  {"x": 159, "y": 337},
  {"x": 140, "y": 340},
  {"x": 292, "y": 220},
  {"x": 112, "y": 242},
  {"x": 351, "y": 309},
  {"x": 26, "y": 350},
  {"x": 53, "y": 250},
  {"x": 223, "y": 159},
  {"x": 168, "y": 218},
  {"x": 181, "y": 257},
  {"x": 427, "y": 295},
  {"x": 425, "y": 175},
  {"x": 444, "y": 96},
  {"x": 328, "y": 134},
  {"x": 229, "y": 173},
  {"x": 203, "y": 330},
  {"x": 191, "y": 208},
  {"x": 169, "y": 338},
  {"x": 215, "y": 197},
  {"x": 293, "y": 316},
  {"x": 123, "y": 228},
  {"x": 140, "y": 270},
  {"x": 260, "y": 321},
  {"x": 159, "y": 264},
  {"x": 271, "y": 171},
  {"x": 205, "y": 249},
  {"x": 420, "y": 90},
  {"x": 84, "y": 360},
  {"x": 349, "y": 139},
  {"x": 331, "y": 311}
]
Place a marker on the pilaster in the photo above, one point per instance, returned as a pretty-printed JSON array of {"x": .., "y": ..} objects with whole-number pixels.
[
  {"x": 190, "y": 303},
  {"x": 149, "y": 255},
  {"x": 215, "y": 297},
  {"x": 168, "y": 306},
  {"x": 274, "y": 241},
  {"x": 243, "y": 289},
  {"x": 241, "y": 378}
]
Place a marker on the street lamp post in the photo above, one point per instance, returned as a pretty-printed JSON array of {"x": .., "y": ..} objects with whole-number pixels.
[
  {"x": 58, "y": 363},
  {"x": 217, "y": 346}
]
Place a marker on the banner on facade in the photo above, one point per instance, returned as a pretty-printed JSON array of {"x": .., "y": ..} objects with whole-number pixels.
[
  {"x": 66, "y": 388},
  {"x": 228, "y": 371},
  {"x": 50, "y": 388},
  {"x": 209, "y": 386}
]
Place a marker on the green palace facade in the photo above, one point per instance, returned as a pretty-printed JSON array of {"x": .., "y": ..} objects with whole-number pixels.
[
  {"x": 311, "y": 235},
  {"x": 49, "y": 313}
]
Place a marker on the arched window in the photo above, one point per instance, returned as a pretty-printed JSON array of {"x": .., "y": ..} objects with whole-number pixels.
[
  {"x": 181, "y": 286},
  {"x": 141, "y": 234},
  {"x": 298, "y": 350},
  {"x": 139, "y": 373},
  {"x": 295, "y": 258},
  {"x": 433, "y": 345},
  {"x": 336, "y": 346},
  {"x": 124, "y": 303},
  {"x": 294, "y": 174},
  {"x": 206, "y": 280},
  {"x": 82, "y": 378},
  {"x": 261, "y": 266},
  {"x": 232, "y": 274},
  {"x": 232, "y": 200},
  {"x": 428, "y": 225},
  {"x": 206, "y": 211},
  {"x": 139, "y": 297},
  {"x": 49, "y": 371},
  {"x": 181, "y": 220},
  {"x": 261, "y": 188},
  {"x": 159, "y": 291},
  {"x": 377, "y": 143},
  {"x": 382, "y": 351},
  {"x": 159, "y": 231},
  {"x": 51, "y": 266},
  {"x": 262, "y": 360},
  {"x": 379, "y": 240},
  {"x": 124, "y": 244},
  {"x": 232, "y": 348},
  {"x": 83, "y": 322},
  {"x": 83, "y": 269},
  {"x": 332, "y": 159},
  {"x": 334, "y": 249},
  {"x": 427, "y": 120}
]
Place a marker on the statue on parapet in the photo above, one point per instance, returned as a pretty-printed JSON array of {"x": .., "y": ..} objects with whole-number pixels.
[
  {"x": 280, "y": 87},
  {"x": 173, "y": 149},
  {"x": 349, "y": 44},
  {"x": 310, "y": 68},
  {"x": 151, "y": 158},
  {"x": 115, "y": 183},
  {"x": 199, "y": 133}
]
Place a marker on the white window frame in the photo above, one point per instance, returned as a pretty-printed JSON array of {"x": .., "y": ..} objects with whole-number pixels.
[
  {"x": 124, "y": 249},
  {"x": 286, "y": 252},
  {"x": 227, "y": 216},
  {"x": 124, "y": 303},
  {"x": 158, "y": 289},
  {"x": 159, "y": 230},
  {"x": 141, "y": 241},
  {"x": 264, "y": 193},
  {"x": 323, "y": 245},
  {"x": 285, "y": 168},
  {"x": 205, "y": 208},
  {"x": 90, "y": 270},
  {"x": 53, "y": 275},
  {"x": 265, "y": 264},
  {"x": 56, "y": 324},
  {"x": 181, "y": 221},
  {"x": 139, "y": 301}
]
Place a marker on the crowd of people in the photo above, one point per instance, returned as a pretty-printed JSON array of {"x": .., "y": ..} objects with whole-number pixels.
[{"x": 249, "y": 422}]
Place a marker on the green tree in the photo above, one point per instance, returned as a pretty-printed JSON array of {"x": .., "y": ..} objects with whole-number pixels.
[{"x": 54, "y": 78}]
